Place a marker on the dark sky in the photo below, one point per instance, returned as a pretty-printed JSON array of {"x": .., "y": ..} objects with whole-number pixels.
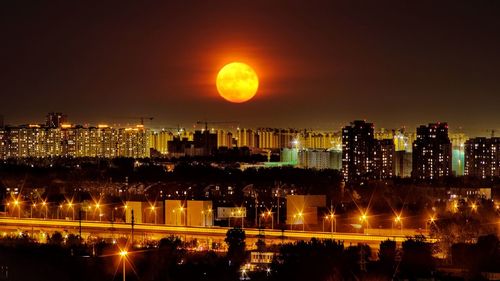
[{"x": 320, "y": 63}]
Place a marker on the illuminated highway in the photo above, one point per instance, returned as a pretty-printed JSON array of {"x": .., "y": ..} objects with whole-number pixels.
[{"x": 105, "y": 229}]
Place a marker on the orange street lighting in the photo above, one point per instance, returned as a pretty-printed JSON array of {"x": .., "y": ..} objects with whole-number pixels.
[
  {"x": 123, "y": 254},
  {"x": 17, "y": 204},
  {"x": 301, "y": 215},
  {"x": 364, "y": 218},
  {"x": 44, "y": 204},
  {"x": 397, "y": 220},
  {"x": 31, "y": 209},
  {"x": 431, "y": 221},
  {"x": 473, "y": 206},
  {"x": 70, "y": 205}
]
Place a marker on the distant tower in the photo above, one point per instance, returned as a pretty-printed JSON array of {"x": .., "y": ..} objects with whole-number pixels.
[
  {"x": 55, "y": 119},
  {"x": 1, "y": 121}
]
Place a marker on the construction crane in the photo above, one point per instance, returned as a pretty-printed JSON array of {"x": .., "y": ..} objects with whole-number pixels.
[
  {"x": 206, "y": 123},
  {"x": 140, "y": 118},
  {"x": 177, "y": 129}
]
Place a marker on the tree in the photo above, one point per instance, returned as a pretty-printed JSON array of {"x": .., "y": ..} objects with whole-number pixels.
[
  {"x": 417, "y": 259},
  {"x": 387, "y": 256},
  {"x": 56, "y": 239},
  {"x": 235, "y": 240}
]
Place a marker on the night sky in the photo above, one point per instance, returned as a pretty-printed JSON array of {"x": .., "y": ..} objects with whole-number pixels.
[{"x": 320, "y": 64}]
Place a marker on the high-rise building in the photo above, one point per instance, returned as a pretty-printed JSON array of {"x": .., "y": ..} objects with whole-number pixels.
[
  {"x": 55, "y": 119},
  {"x": 358, "y": 144},
  {"x": 458, "y": 153},
  {"x": 206, "y": 141},
  {"x": 101, "y": 141},
  {"x": 432, "y": 152},
  {"x": 402, "y": 164},
  {"x": 482, "y": 157},
  {"x": 224, "y": 139},
  {"x": 289, "y": 155},
  {"x": 246, "y": 138},
  {"x": 320, "y": 159},
  {"x": 383, "y": 158}
]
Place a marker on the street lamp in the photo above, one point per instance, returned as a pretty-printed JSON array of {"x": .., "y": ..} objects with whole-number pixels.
[
  {"x": 211, "y": 217},
  {"x": 431, "y": 221},
  {"x": 59, "y": 211},
  {"x": 44, "y": 204},
  {"x": 18, "y": 205},
  {"x": 181, "y": 211},
  {"x": 301, "y": 215},
  {"x": 364, "y": 218},
  {"x": 473, "y": 207},
  {"x": 31, "y": 211},
  {"x": 153, "y": 209},
  {"x": 98, "y": 209},
  {"x": 397, "y": 220},
  {"x": 70, "y": 206},
  {"x": 332, "y": 219},
  {"x": 123, "y": 254},
  {"x": 268, "y": 214}
]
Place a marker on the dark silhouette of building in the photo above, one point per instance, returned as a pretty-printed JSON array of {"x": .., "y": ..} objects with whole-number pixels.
[
  {"x": 179, "y": 145},
  {"x": 432, "y": 152},
  {"x": 358, "y": 144},
  {"x": 482, "y": 157},
  {"x": 205, "y": 140},
  {"x": 55, "y": 119}
]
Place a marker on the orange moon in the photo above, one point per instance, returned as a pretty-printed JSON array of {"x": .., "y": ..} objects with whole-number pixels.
[{"x": 237, "y": 82}]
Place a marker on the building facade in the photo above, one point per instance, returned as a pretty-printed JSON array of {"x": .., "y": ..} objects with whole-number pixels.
[
  {"x": 358, "y": 144},
  {"x": 482, "y": 157},
  {"x": 432, "y": 152}
]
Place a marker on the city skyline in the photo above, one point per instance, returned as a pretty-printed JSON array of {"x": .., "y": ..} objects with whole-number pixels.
[
  {"x": 320, "y": 65},
  {"x": 230, "y": 126}
]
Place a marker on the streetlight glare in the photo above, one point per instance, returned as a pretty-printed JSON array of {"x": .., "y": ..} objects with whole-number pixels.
[{"x": 123, "y": 253}]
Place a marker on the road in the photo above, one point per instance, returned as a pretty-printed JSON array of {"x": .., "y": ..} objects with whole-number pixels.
[{"x": 212, "y": 234}]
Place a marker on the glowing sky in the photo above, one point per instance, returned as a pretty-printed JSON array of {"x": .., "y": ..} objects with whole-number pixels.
[{"x": 320, "y": 64}]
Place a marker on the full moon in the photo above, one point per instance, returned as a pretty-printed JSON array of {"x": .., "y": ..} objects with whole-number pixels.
[{"x": 237, "y": 82}]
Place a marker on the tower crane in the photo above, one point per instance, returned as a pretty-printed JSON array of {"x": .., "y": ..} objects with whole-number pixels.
[
  {"x": 215, "y": 122},
  {"x": 177, "y": 129},
  {"x": 140, "y": 118}
]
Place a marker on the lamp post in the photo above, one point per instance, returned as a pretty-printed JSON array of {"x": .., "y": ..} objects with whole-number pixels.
[
  {"x": 70, "y": 206},
  {"x": 124, "y": 255},
  {"x": 18, "y": 205},
  {"x": 429, "y": 222},
  {"x": 44, "y": 204},
  {"x": 301, "y": 216},
  {"x": 181, "y": 211},
  {"x": 59, "y": 211},
  {"x": 210, "y": 213},
  {"x": 473, "y": 207},
  {"x": 269, "y": 213},
  {"x": 31, "y": 209},
  {"x": 397, "y": 220},
  {"x": 332, "y": 221},
  {"x": 153, "y": 209},
  {"x": 364, "y": 218}
]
